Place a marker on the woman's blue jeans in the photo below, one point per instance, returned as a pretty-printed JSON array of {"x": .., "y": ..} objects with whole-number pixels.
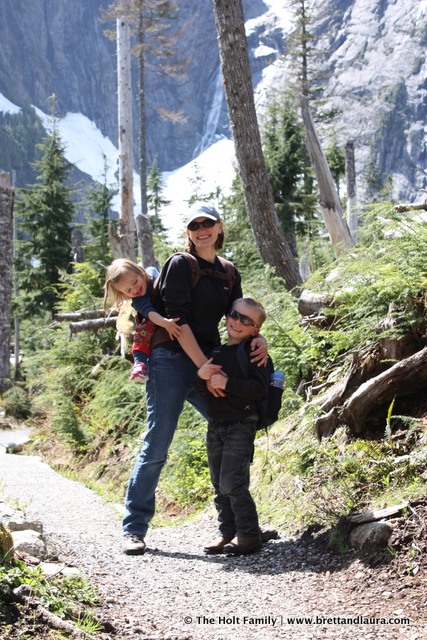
[{"x": 170, "y": 383}]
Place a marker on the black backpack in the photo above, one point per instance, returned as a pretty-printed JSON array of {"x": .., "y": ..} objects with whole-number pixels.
[{"x": 269, "y": 405}]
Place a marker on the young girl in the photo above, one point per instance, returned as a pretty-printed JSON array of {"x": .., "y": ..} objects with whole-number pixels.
[{"x": 126, "y": 280}]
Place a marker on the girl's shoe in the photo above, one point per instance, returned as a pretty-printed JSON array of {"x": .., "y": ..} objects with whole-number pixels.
[{"x": 139, "y": 372}]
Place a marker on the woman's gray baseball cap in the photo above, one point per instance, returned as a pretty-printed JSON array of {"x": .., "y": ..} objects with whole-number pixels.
[{"x": 202, "y": 209}]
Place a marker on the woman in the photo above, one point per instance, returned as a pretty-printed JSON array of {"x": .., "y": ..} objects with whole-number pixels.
[{"x": 199, "y": 302}]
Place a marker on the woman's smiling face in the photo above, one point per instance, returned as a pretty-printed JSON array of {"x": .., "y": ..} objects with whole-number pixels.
[{"x": 203, "y": 237}]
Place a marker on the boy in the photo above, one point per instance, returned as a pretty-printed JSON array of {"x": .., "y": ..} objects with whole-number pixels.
[{"x": 231, "y": 430}]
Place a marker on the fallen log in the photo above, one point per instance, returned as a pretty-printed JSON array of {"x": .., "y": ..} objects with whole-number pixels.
[
  {"x": 92, "y": 325},
  {"x": 378, "y": 514},
  {"x": 72, "y": 316},
  {"x": 415, "y": 206},
  {"x": 403, "y": 378},
  {"x": 310, "y": 303}
]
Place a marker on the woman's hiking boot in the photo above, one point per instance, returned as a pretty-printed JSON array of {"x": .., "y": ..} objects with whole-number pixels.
[{"x": 134, "y": 544}]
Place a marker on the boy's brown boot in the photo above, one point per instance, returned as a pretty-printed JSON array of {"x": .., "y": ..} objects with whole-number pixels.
[
  {"x": 268, "y": 534},
  {"x": 241, "y": 546},
  {"x": 216, "y": 546}
]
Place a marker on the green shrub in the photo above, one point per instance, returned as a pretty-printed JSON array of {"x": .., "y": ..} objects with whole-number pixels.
[
  {"x": 16, "y": 403},
  {"x": 66, "y": 423},
  {"x": 186, "y": 476}
]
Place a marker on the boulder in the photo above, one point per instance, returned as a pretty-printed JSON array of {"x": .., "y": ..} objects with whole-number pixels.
[
  {"x": 371, "y": 537},
  {"x": 31, "y": 542}
]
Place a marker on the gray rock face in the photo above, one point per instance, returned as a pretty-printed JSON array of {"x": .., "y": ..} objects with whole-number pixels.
[
  {"x": 379, "y": 81},
  {"x": 59, "y": 47},
  {"x": 374, "y": 53}
]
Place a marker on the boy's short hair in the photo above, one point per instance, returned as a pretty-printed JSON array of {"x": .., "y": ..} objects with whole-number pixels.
[{"x": 256, "y": 305}]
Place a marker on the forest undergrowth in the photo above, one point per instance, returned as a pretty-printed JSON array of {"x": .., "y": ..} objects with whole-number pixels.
[
  {"x": 90, "y": 417},
  {"x": 78, "y": 393}
]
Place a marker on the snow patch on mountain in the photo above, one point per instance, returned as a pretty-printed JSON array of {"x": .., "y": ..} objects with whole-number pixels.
[
  {"x": 6, "y": 106},
  {"x": 89, "y": 150},
  {"x": 215, "y": 165}
]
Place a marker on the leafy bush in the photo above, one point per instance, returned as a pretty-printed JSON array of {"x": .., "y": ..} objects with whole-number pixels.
[
  {"x": 16, "y": 403},
  {"x": 66, "y": 423},
  {"x": 186, "y": 479},
  {"x": 115, "y": 402}
]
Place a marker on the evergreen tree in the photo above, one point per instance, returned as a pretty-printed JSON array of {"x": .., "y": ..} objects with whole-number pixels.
[
  {"x": 19, "y": 134},
  {"x": 285, "y": 156},
  {"x": 198, "y": 195},
  {"x": 156, "y": 201},
  {"x": 99, "y": 197},
  {"x": 240, "y": 247},
  {"x": 155, "y": 187},
  {"x": 336, "y": 161},
  {"x": 308, "y": 77},
  {"x": 45, "y": 212}
]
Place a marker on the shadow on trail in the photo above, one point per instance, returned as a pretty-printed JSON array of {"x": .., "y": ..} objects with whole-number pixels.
[{"x": 278, "y": 557}]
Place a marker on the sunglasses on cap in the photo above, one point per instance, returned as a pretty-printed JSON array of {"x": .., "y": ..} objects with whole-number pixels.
[
  {"x": 207, "y": 224},
  {"x": 235, "y": 315}
]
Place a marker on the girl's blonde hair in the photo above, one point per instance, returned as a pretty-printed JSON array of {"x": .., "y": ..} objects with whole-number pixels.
[{"x": 117, "y": 269}]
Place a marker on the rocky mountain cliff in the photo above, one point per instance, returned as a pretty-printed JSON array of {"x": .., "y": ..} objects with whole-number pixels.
[
  {"x": 58, "y": 47},
  {"x": 378, "y": 82},
  {"x": 373, "y": 51}
]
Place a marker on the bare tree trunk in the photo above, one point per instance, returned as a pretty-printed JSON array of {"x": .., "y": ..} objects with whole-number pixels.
[
  {"x": 143, "y": 226},
  {"x": 77, "y": 249},
  {"x": 16, "y": 293},
  {"x": 329, "y": 202},
  {"x": 142, "y": 131},
  {"x": 74, "y": 316},
  {"x": 145, "y": 242},
  {"x": 122, "y": 245},
  {"x": 350, "y": 172},
  {"x": 125, "y": 236},
  {"x": 6, "y": 252},
  {"x": 269, "y": 237}
]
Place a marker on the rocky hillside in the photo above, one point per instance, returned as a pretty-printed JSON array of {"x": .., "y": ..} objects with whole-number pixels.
[
  {"x": 373, "y": 52},
  {"x": 379, "y": 83}
]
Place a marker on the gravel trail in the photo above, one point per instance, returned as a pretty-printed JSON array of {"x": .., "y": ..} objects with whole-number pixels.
[{"x": 176, "y": 592}]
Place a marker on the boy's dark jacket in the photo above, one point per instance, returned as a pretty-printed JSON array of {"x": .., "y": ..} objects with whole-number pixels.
[{"x": 241, "y": 393}]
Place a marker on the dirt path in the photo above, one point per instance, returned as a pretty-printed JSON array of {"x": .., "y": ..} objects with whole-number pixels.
[{"x": 176, "y": 592}]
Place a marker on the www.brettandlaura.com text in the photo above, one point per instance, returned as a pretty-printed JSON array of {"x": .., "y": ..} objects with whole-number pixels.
[{"x": 285, "y": 620}]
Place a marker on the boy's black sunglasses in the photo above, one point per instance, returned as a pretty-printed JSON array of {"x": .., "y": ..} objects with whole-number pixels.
[
  {"x": 243, "y": 319},
  {"x": 207, "y": 224}
]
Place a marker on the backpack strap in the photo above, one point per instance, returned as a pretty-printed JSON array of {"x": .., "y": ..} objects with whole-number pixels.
[
  {"x": 161, "y": 335},
  {"x": 243, "y": 359},
  {"x": 197, "y": 272}
]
